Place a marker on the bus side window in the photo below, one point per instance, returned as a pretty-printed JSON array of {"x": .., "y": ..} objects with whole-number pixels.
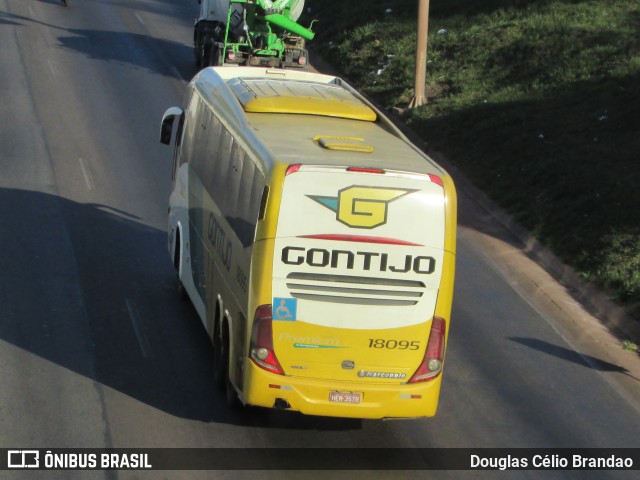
[
  {"x": 235, "y": 174},
  {"x": 263, "y": 201},
  {"x": 245, "y": 224},
  {"x": 211, "y": 160},
  {"x": 218, "y": 189},
  {"x": 177, "y": 156},
  {"x": 230, "y": 205},
  {"x": 255, "y": 206},
  {"x": 191, "y": 124},
  {"x": 198, "y": 154}
]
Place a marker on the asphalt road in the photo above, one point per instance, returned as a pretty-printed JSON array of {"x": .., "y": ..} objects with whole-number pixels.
[{"x": 97, "y": 350}]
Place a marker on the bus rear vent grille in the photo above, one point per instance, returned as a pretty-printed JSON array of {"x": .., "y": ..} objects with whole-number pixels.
[{"x": 354, "y": 290}]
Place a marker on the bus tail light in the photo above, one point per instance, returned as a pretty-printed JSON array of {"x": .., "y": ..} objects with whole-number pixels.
[
  {"x": 365, "y": 170},
  {"x": 431, "y": 365},
  {"x": 262, "y": 352},
  {"x": 293, "y": 168},
  {"x": 436, "y": 179}
]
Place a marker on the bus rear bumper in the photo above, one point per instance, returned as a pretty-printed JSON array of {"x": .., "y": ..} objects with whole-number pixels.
[{"x": 313, "y": 396}]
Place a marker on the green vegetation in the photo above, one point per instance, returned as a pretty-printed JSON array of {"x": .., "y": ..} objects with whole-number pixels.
[
  {"x": 630, "y": 346},
  {"x": 537, "y": 102}
]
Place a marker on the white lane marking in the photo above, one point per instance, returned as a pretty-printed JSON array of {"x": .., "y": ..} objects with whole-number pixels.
[
  {"x": 143, "y": 342},
  {"x": 178, "y": 74},
  {"x": 139, "y": 18},
  {"x": 88, "y": 179},
  {"x": 53, "y": 68}
]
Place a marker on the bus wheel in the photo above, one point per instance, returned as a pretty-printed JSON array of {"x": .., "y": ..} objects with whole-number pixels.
[
  {"x": 231, "y": 395},
  {"x": 182, "y": 292},
  {"x": 233, "y": 402},
  {"x": 220, "y": 358}
]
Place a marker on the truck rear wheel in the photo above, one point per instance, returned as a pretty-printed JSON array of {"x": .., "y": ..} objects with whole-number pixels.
[{"x": 210, "y": 54}]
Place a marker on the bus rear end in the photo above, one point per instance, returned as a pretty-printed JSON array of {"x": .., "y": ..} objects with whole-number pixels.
[{"x": 362, "y": 285}]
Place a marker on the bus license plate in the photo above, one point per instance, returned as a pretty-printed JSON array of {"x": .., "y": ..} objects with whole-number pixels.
[{"x": 345, "y": 397}]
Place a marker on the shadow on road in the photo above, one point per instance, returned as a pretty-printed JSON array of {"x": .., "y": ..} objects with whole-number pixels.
[
  {"x": 92, "y": 290},
  {"x": 157, "y": 55},
  {"x": 571, "y": 355}
]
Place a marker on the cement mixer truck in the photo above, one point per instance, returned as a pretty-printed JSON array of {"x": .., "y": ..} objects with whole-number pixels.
[{"x": 251, "y": 32}]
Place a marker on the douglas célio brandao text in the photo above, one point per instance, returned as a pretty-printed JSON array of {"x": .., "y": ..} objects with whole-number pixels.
[{"x": 550, "y": 461}]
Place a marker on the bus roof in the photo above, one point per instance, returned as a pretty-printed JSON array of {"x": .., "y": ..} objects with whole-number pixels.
[
  {"x": 276, "y": 95},
  {"x": 304, "y": 117}
]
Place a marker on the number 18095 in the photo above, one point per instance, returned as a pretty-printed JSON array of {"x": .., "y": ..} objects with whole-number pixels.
[{"x": 394, "y": 344}]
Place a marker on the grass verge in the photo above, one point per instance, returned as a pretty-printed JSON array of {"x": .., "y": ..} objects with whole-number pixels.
[{"x": 536, "y": 101}]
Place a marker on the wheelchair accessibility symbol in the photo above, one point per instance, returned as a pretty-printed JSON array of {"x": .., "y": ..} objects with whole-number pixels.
[{"x": 284, "y": 309}]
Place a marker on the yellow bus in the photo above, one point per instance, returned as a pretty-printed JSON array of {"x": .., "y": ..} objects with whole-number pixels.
[{"x": 316, "y": 242}]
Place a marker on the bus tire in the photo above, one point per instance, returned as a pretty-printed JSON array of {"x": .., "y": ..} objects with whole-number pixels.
[
  {"x": 231, "y": 396},
  {"x": 220, "y": 358},
  {"x": 233, "y": 402},
  {"x": 177, "y": 258}
]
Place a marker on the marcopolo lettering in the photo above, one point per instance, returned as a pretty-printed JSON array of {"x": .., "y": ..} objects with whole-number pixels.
[
  {"x": 319, "y": 257},
  {"x": 219, "y": 241},
  {"x": 368, "y": 374}
]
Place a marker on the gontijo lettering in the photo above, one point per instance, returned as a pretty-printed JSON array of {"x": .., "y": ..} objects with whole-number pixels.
[
  {"x": 319, "y": 257},
  {"x": 219, "y": 241}
]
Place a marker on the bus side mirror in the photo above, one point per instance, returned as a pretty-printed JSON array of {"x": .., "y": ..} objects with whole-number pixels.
[{"x": 167, "y": 124}]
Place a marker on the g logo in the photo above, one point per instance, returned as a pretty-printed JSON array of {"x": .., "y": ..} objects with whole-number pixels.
[{"x": 361, "y": 207}]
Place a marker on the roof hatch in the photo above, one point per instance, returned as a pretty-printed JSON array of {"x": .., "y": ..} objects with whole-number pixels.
[
  {"x": 260, "y": 95},
  {"x": 349, "y": 144}
]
